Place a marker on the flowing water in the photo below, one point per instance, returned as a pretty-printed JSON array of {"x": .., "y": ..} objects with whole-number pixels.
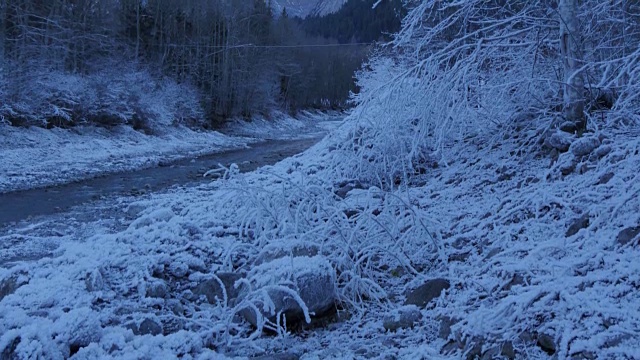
[{"x": 22, "y": 205}]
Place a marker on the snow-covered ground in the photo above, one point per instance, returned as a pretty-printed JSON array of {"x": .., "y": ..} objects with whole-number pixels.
[
  {"x": 280, "y": 126},
  {"x": 539, "y": 257},
  {"x": 36, "y": 157}
]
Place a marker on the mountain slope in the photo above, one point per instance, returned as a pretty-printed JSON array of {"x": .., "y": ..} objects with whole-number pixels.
[
  {"x": 304, "y": 8},
  {"x": 326, "y": 7}
]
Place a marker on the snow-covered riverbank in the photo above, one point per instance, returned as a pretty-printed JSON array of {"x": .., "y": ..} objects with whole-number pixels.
[{"x": 36, "y": 157}]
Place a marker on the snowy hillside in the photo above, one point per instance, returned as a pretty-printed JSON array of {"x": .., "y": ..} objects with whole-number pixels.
[
  {"x": 304, "y": 8},
  {"x": 325, "y": 7},
  {"x": 500, "y": 255}
]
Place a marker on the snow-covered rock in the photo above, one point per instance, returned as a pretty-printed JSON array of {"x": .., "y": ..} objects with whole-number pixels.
[
  {"x": 281, "y": 356},
  {"x": 628, "y": 235},
  {"x": 178, "y": 269},
  {"x": 95, "y": 281},
  {"x": 547, "y": 343},
  {"x": 343, "y": 188},
  {"x": 565, "y": 165},
  {"x": 559, "y": 140},
  {"x": 423, "y": 294},
  {"x": 146, "y": 327},
  {"x": 584, "y": 146},
  {"x": 9, "y": 285},
  {"x": 157, "y": 289},
  {"x": 568, "y": 127},
  {"x": 79, "y": 328},
  {"x": 220, "y": 287},
  {"x": 402, "y": 318},
  {"x": 602, "y": 151},
  {"x": 296, "y": 287},
  {"x": 578, "y": 224}
]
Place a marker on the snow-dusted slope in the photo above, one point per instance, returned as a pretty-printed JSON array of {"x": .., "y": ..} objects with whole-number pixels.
[
  {"x": 325, "y": 7},
  {"x": 304, "y": 8}
]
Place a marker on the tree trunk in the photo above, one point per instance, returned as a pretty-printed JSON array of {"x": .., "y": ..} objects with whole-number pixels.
[
  {"x": 137, "y": 30},
  {"x": 572, "y": 60},
  {"x": 3, "y": 13}
]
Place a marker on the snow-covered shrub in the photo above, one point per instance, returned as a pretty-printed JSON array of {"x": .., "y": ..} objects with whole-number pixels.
[
  {"x": 135, "y": 97},
  {"x": 115, "y": 95},
  {"x": 463, "y": 69},
  {"x": 436, "y": 83},
  {"x": 171, "y": 103},
  {"x": 61, "y": 101},
  {"x": 106, "y": 101},
  {"x": 5, "y": 109},
  {"x": 612, "y": 76},
  {"x": 42, "y": 98},
  {"x": 366, "y": 237}
]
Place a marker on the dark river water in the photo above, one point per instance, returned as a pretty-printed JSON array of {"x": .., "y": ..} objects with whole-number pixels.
[{"x": 21, "y": 205}]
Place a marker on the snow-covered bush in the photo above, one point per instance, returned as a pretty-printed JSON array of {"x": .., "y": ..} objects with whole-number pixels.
[
  {"x": 116, "y": 95},
  {"x": 137, "y": 98},
  {"x": 5, "y": 110},
  {"x": 462, "y": 69},
  {"x": 612, "y": 76},
  {"x": 367, "y": 237},
  {"x": 445, "y": 78},
  {"x": 42, "y": 98}
]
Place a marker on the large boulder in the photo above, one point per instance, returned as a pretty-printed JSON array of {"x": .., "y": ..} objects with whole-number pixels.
[{"x": 288, "y": 286}]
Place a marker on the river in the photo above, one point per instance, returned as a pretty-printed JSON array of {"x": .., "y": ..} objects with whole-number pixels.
[{"x": 23, "y": 205}]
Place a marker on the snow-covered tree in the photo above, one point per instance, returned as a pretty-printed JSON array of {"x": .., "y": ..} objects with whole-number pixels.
[
  {"x": 463, "y": 68},
  {"x": 572, "y": 62}
]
